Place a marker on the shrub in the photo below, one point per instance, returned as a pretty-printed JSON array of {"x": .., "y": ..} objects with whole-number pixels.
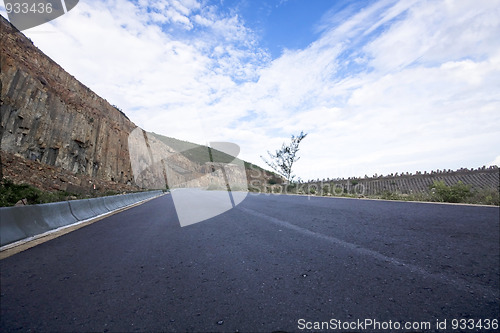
[
  {"x": 326, "y": 189},
  {"x": 388, "y": 195},
  {"x": 455, "y": 193},
  {"x": 489, "y": 196},
  {"x": 272, "y": 181},
  {"x": 11, "y": 193},
  {"x": 277, "y": 189}
]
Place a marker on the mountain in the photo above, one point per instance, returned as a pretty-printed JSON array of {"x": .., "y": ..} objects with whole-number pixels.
[{"x": 57, "y": 134}]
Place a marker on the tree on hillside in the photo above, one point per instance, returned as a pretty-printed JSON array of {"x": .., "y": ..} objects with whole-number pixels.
[{"x": 283, "y": 159}]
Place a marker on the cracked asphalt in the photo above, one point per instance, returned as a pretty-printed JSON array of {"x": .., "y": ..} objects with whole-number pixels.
[{"x": 260, "y": 267}]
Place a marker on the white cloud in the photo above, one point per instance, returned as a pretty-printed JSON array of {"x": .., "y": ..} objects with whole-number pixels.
[
  {"x": 496, "y": 161},
  {"x": 415, "y": 105},
  {"x": 398, "y": 86},
  {"x": 436, "y": 32}
]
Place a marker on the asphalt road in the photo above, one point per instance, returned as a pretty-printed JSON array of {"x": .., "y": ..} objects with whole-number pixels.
[{"x": 273, "y": 263}]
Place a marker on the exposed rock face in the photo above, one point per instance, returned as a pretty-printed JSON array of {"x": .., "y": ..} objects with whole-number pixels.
[
  {"x": 47, "y": 115},
  {"x": 51, "y": 178},
  {"x": 52, "y": 124},
  {"x": 156, "y": 165}
]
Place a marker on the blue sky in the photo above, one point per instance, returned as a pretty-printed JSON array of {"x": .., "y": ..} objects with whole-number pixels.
[
  {"x": 380, "y": 86},
  {"x": 291, "y": 24}
]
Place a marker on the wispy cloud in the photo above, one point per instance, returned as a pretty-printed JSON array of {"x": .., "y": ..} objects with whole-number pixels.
[{"x": 395, "y": 86}]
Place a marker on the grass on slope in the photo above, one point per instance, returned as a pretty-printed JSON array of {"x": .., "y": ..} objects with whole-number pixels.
[
  {"x": 199, "y": 154},
  {"x": 195, "y": 152},
  {"x": 11, "y": 193}
]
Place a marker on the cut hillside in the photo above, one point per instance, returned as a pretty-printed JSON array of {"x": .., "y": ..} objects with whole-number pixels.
[
  {"x": 200, "y": 155},
  {"x": 58, "y": 135}
]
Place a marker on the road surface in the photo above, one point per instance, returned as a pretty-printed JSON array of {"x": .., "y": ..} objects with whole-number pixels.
[{"x": 273, "y": 263}]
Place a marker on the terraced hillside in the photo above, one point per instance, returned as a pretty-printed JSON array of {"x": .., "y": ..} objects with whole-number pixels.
[
  {"x": 482, "y": 180},
  {"x": 406, "y": 184}
]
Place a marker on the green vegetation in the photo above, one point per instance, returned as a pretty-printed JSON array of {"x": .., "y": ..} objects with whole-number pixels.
[
  {"x": 195, "y": 152},
  {"x": 282, "y": 160},
  {"x": 11, "y": 193},
  {"x": 485, "y": 197},
  {"x": 272, "y": 181},
  {"x": 200, "y": 154},
  {"x": 438, "y": 192},
  {"x": 441, "y": 192},
  {"x": 326, "y": 190},
  {"x": 256, "y": 172},
  {"x": 458, "y": 193},
  {"x": 388, "y": 195}
]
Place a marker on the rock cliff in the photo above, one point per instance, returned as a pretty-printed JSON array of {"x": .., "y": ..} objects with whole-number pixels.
[
  {"x": 59, "y": 135},
  {"x": 49, "y": 116}
]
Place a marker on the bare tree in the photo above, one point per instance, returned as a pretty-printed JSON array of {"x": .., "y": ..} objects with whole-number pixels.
[{"x": 283, "y": 159}]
